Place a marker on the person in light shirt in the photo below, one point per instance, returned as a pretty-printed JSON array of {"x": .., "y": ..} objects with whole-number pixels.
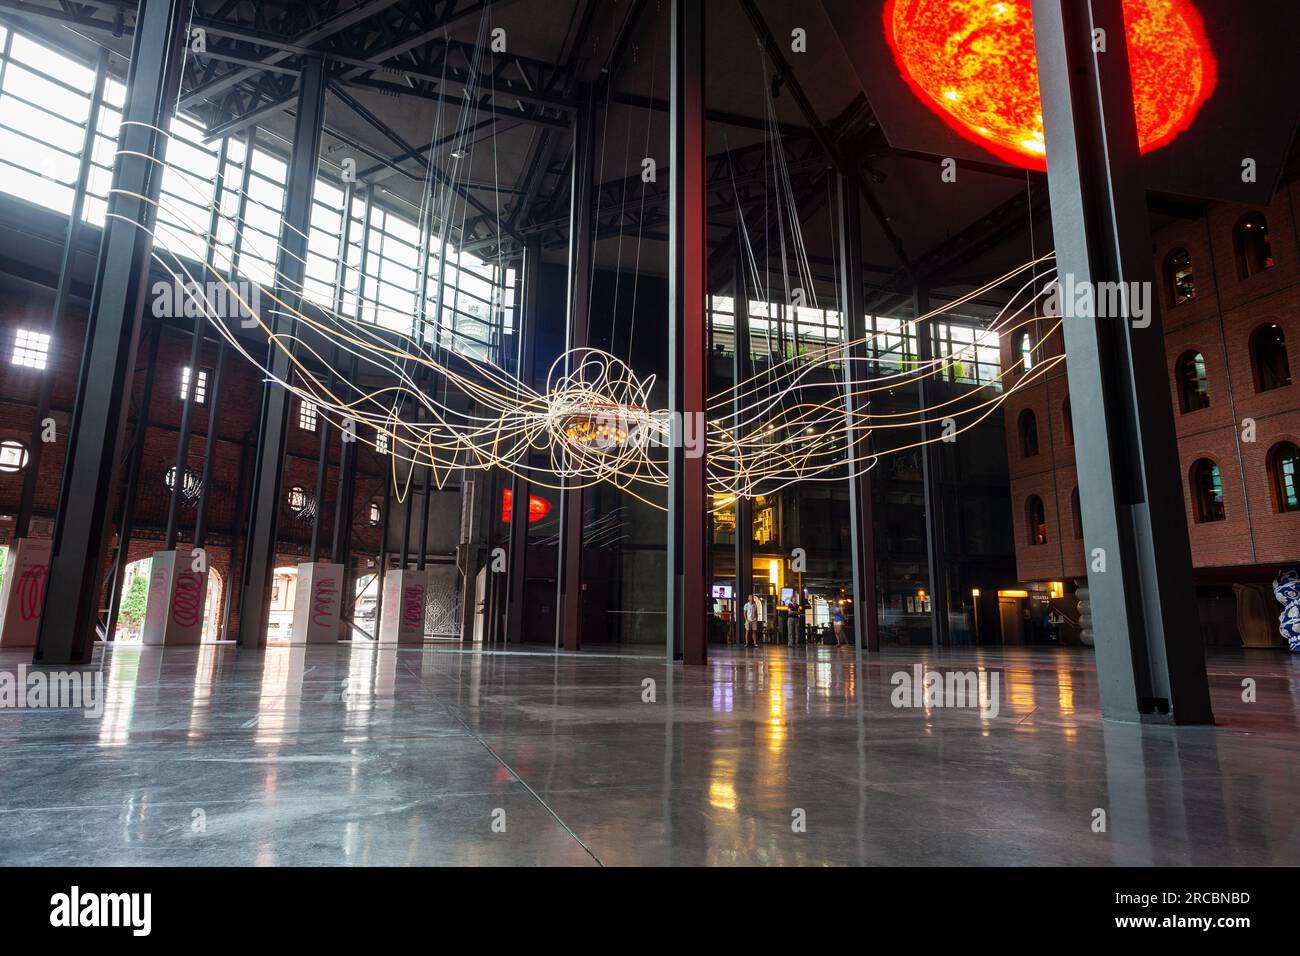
[{"x": 752, "y": 622}]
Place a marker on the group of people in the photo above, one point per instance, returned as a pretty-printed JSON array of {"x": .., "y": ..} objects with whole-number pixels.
[{"x": 795, "y": 627}]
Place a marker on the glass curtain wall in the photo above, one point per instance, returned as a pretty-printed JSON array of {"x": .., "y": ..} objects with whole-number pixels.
[{"x": 44, "y": 106}]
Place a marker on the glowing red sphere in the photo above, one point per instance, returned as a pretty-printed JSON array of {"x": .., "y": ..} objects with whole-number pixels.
[
  {"x": 538, "y": 508},
  {"x": 973, "y": 63}
]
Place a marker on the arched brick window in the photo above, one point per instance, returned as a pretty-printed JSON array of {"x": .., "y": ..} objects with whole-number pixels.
[
  {"x": 1268, "y": 357},
  {"x": 1036, "y": 520},
  {"x": 1178, "y": 278},
  {"x": 1207, "y": 491},
  {"x": 1193, "y": 384},
  {"x": 1028, "y": 433},
  {"x": 1250, "y": 243}
]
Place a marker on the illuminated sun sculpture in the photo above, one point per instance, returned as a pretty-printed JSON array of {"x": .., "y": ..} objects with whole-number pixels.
[{"x": 973, "y": 63}]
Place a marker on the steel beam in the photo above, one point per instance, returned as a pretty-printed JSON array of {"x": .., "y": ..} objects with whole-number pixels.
[
  {"x": 218, "y": 383},
  {"x": 126, "y": 524},
  {"x": 409, "y": 150},
  {"x": 862, "y": 525},
  {"x": 742, "y": 367},
  {"x": 422, "y": 310},
  {"x": 568, "y": 586},
  {"x": 1150, "y": 661},
  {"x": 83, "y": 526},
  {"x": 687, "y": 338},
  {"x": 342, "y": 542},
  {"x": 931, "y": 479},
  {"x": 274, "y": 420},
  {"x": 196, "y": 354},
  {"x": 316, "y": 34},
  {"x": 520, "y": 489},
  {"x": 210, "y": 451},
  {"x": 819, "y": 130}
]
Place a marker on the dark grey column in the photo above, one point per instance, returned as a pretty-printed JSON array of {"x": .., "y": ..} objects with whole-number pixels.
[
  {"x": 742, "y": 367},
  {"x": 32, "y": 474},
  {"x": 382, "y": 570},
  {"x": 342, "y": 552},
  {"x": 274, "y": 421},
  {"x": 1150, "y": 662},
  {"x": 687, "y": 345},
  {"x": 341, "y": 542},
  {"x": 931, "y": 479},
  {"x": 237, "y": 529},
  {"x": 210, "y": 451},
  {"x": 218, "y": 382},
  {"x": 83, "y": 526},
  {"x": 520, "y": 488},
  {"x": 422, "y": 373},
  {"x": 126, "y": 525},
  {"x": 322, "y": 469},
  {"x": 568, "y": 600},
  {"x": 862, "y": 525},
  {"x": 196, "y": 355}
]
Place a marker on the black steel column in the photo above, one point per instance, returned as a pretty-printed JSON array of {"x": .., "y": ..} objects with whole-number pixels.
[
  {"x": 89, "y": 486},
  {"x": 931, "y": 477},
  {"x": 210, "y": 449},
  {"x": 568, "y": 588},
  {"x": 347, "y": 449},
  {"x": 742, "y": 367},
  {"x": 423, "y": 373},
  {"x": 687, "y": 333},
  {"x": 408, "y": 507},
  {"x": 214, "y": 416},
  {"x": 322, "y": 468},
  {"x": 196, "y": 355},
  {"x": 237, "y": 527},
  {"x": 862, "y": 525},
  {"x": 520, "y": 488},
  {"x": 1150, "y": 661},
  {"x": 381, "y": 571},
  {"x": 31, "y": 475},
  {"x": 274, "y": 420},
  {"x": 342, "y": 551},
  {"x": 126, "y": 524}
]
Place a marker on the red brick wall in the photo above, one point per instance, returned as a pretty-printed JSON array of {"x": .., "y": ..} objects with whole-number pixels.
[{"x": 1218, "y": 323}]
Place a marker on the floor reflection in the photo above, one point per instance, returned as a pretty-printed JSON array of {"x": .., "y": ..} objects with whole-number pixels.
[{"x": 361, "y": 754}]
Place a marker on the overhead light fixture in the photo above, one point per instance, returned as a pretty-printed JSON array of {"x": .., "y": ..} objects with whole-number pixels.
[{"x": 457, "y": 154}]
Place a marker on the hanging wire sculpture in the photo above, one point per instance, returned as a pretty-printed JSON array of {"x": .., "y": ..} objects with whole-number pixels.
[{"x": 592, "y": 421}]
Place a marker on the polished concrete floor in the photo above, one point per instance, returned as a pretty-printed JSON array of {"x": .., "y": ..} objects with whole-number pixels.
[{"x": 353, "y": 755}]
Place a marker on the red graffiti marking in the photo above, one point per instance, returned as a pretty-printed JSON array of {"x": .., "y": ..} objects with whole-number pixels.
[
  {"x": 31, "y": 591},
  {"x": 413, "y": 606},
  {"x": 187, "y": 604},
  {"x": 325, "y": 593}
]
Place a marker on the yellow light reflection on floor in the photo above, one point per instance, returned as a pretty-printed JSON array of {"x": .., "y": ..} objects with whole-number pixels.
[{"x": 1065, "y": 691}]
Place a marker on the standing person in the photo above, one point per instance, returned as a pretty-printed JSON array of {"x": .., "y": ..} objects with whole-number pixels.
[
  {"x": 837, "y": 620},
  {"x": 792, "y": 621},
  {"x": 752, "y": 622}
]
